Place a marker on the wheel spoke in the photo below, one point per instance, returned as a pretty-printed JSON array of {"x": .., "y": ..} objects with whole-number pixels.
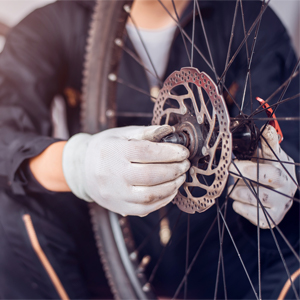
[
  {"x": 287, "y": 82},
  {"x": 273, "y": 119},
  {"x": 187, "y": 255},
  {"x": 250, "y": 59},
  {"x": 268, "y": 218},
  {"x": 134, "y": 87},
  {"x": 261, "y": 109},
  {"x": 140, "y": 62},
  {"x": 275, "y": 160},
  {"x": 251, "y": 188},
  {"x": 258, "y": 230},
  {"x": 130, "y": 114},
  {"x": 181, "y": 32},
  {"x": 244, "y": 41},
  {"x": 164, "y": 250},
  {"x": 206, "y": 40},
  {"x": 283, "y": 93},
  {"x": 202, "y": 56},
  {"x": 279, "y": 161},
  {"x": 144, "y": 46},
  {"x": 221, "y": 258},
  {"x": 265, "y": 186},
  {"x": 239, "y": 255},
  {"x": 230, "y": 40},
  {"x": 194, "y": 259},
  {"x": 199, "y": 249},
  {"x": 186, "y": 35},
  {"x": 155, "y": 227},
  {"x": 193, "y": 35}
]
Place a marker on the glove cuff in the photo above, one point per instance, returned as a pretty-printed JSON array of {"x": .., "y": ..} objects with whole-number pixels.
[{"x": 73, "y": 164}]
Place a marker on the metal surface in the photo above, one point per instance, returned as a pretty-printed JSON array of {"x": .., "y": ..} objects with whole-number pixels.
[{"x": 190, "y": 101}]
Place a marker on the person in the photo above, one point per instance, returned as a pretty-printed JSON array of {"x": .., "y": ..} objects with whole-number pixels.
[{"x": 47, "y": 244}]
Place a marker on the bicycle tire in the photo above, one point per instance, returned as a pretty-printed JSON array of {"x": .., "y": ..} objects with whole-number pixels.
[
  {"x": 101, "y": 48},
  {"x": 100, "y": 83}
]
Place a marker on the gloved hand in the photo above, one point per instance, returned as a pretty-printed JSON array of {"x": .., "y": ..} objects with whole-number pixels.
[
  {"x": 124, "y": 169},
  {"x": 271, "y": 174}
]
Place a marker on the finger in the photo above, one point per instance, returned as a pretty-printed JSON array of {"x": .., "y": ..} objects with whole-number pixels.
[
  {"x": 153, "y": 134},
  {"x": 143, "y": 210},
  {"x": 268, "y": 198},
  {"x": 267, "y": 174},
  {"x": 269, "y": 140},
  {"x": 250, "y": 213},
  {"x": 151, "y": 194},
  {"x": 155, "y": 174},
  {"x": 148, "y": 152}
]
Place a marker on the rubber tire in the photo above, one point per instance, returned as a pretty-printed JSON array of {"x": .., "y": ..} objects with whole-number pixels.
[{"x": 101, "y": 61}]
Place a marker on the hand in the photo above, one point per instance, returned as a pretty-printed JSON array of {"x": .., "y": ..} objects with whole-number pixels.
[
  {"x": 271, "y": 174},
  {"x": 123, "y": 170}
]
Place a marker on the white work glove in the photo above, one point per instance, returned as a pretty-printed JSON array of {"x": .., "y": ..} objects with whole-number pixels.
[
  {"x": 124, "y": 169},
  {"x": 271, "y": 174}
]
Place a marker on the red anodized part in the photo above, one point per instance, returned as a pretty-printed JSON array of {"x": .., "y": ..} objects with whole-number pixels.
[{"x": 273, "y": 122}]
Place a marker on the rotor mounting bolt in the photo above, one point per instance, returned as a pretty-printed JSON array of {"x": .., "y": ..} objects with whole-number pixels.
[
  {"x": 204, "y": 150},
  {"x": 199, "y": 119},
  {"x": 112, "y": 77}
]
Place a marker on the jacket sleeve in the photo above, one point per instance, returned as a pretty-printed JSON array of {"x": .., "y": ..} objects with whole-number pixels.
[{"x": 32, "y": 71}]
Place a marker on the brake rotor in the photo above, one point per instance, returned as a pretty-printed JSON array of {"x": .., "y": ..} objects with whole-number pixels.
[{"x": 190, "y": 101}]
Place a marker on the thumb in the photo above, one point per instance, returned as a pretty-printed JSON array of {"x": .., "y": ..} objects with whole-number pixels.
[
  {"x": 269, "y": 142},
  {"x": 156, "y": 133}
]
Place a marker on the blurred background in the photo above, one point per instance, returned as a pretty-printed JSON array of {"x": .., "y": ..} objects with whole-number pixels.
[{"x": 12, "y": 11}]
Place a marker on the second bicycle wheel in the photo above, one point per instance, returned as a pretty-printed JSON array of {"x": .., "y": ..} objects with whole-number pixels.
[{"x": 198, "y": 252}]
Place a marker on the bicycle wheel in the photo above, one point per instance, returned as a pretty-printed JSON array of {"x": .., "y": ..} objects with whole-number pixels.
[{"x": 173, "y": 253}]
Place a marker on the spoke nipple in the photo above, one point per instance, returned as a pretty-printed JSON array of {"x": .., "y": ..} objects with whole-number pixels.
[
  {"x": 110, "y": 113},
  {"x": 144, "y": 263},
  {"x": 119, "y": 42},
  {"x": 133, "y": 255},
  {"x": 122, "y": 220},
  {"x": 146, "y": 287},
  {"x": 127, "y": 8},
  {"x": 112, "y": 77}
]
